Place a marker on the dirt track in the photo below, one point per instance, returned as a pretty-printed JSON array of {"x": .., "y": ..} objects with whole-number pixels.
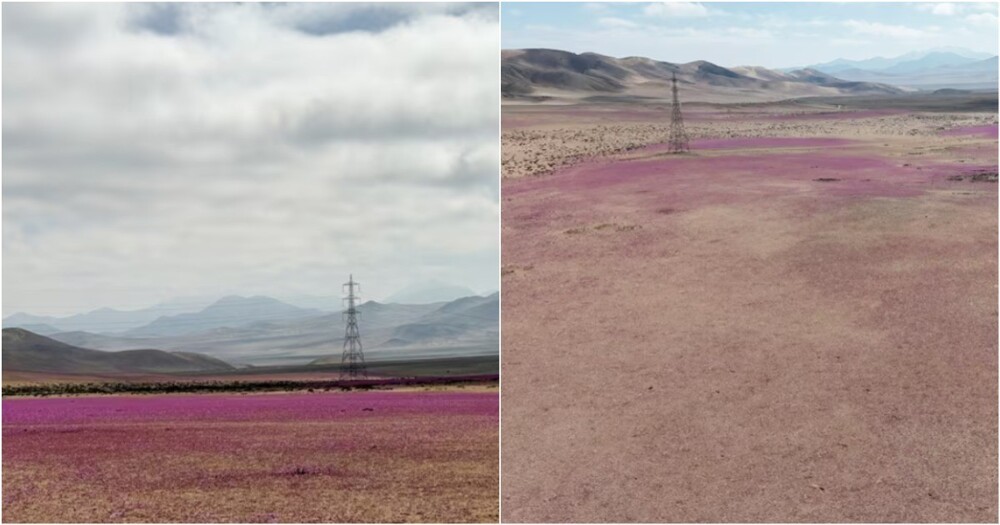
[{"x": 786, "y": 333}]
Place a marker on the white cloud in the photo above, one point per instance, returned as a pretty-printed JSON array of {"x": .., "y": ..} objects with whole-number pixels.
[
  {"x": 883, "y": 30},
  {"x": 982, "y": 7},
  {"x": 676, "y": 10},
  {"x": 982, "y": 20},
  {"x": 941, "y": 9},
  {"x": 957, "y": 8},
  {"x": 199, "y": 149}
]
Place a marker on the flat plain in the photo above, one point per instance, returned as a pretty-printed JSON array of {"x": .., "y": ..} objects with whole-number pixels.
[
  {"x": 388, "y": 456},
  {"x": 796, "y": 322}
]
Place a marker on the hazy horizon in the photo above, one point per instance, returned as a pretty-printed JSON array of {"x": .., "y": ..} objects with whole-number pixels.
[
  {"x": 186, "y": 304},
  {"x": 773, "y": 35},
  {"x": 155, "y": 151}
]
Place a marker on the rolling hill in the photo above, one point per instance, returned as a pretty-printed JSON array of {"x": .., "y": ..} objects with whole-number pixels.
[
  {"x": 25, "y": 351},
  {"x": 466, "y": 326},
  {"x": 552, "y": 75},
  {"x": 470, "y": 319}
]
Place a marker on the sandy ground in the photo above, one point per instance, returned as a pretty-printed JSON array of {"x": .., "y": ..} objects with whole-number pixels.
[{"x": 766, "y": 330}]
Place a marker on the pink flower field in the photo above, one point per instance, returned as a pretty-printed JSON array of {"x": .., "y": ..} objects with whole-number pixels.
[
  {"x": 317, "y": 457},
  {"x": 794, "y": 322}
]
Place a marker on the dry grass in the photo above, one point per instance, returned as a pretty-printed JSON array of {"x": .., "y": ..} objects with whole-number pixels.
[{"x": 537, "y": 141}]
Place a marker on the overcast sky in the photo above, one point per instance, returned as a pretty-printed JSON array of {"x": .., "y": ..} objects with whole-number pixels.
[
  {"x": 159, "y": 151},
  {"x": 758, "y": 34}
]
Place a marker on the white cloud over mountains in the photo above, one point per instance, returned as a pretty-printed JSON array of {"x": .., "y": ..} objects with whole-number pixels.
[
  {"x": 863, "y": 27},
  {"x": 203, "y": 149},
  {"x": 769, "y": 34},
  {"x": 982, "y": 19}
]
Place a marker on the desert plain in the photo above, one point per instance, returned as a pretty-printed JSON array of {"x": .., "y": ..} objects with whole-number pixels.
[
  {"x": 794, "y": 322},
  {"x": 405, "y": 455}
]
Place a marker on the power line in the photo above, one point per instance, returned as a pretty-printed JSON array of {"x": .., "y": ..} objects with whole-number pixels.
[
  {"x": 678, "y": 137},
  {"x": 352, "y": 362}
]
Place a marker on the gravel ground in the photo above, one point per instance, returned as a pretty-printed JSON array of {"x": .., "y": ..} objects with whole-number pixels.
[{"x": 765, "y": 331}]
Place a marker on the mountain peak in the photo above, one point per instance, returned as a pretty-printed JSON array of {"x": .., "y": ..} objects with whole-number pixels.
[
  {"x": 230, "y": 311},
  {"x": 16, "y": 333}
]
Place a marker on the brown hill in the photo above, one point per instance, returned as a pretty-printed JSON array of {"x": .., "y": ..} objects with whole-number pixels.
[
  {"x": 26, "y": 351},
  {"x": 560, "y": 76}
]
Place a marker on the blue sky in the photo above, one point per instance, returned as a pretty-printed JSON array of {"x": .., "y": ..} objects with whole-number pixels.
[{"x": 761, "y": 34}]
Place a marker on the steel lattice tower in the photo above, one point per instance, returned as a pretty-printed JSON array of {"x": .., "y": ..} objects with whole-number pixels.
[
  {"x": 678, "y": 137},
  {"x": 352, "y": 363}
]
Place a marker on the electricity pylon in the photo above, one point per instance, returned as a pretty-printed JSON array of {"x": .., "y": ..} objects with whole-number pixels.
[
  {"x": 678, "y": 137},
  {"x": 352, "y": 362}
]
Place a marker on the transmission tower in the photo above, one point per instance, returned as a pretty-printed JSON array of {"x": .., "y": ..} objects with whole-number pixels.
[
  {"x": 678, "y": 137},
  {"x": 352, "y": 363}
]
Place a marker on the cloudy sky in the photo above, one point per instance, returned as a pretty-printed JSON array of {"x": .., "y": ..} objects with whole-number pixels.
[
  {"x": 760, "y": 34},
  {"x": 161, "y": 151}
]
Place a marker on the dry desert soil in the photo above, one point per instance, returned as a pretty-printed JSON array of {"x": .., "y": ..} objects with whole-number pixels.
[
  {"x": 326, "y": 457},
  {"x": 797, "y": 322}
]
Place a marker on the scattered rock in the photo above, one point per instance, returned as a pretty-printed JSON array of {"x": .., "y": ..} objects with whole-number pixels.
[{"x": 982, "y": 175}]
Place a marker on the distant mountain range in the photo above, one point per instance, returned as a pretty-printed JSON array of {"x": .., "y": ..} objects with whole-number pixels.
[
  {"x": 930, "y": 69},
  {"x": 182, "y": 315},
  {"x": 102, "y": 320},
  {"x": 429, "y": 292},
  {"x": 936, "y": 56},
  {"x": 163, "y": 319},
  {"x": 432, "y": 291},
  {"x": 262, "y": 330},
  {"x": 547, "y": 74},
  {"x": 226, "y": 312},
  {"x": 25, "y": 351}
]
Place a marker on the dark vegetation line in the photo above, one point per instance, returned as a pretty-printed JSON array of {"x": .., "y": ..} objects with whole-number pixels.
[
  {"x": 168, "y": 387},
  {"x": 942, "y": 101}
]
